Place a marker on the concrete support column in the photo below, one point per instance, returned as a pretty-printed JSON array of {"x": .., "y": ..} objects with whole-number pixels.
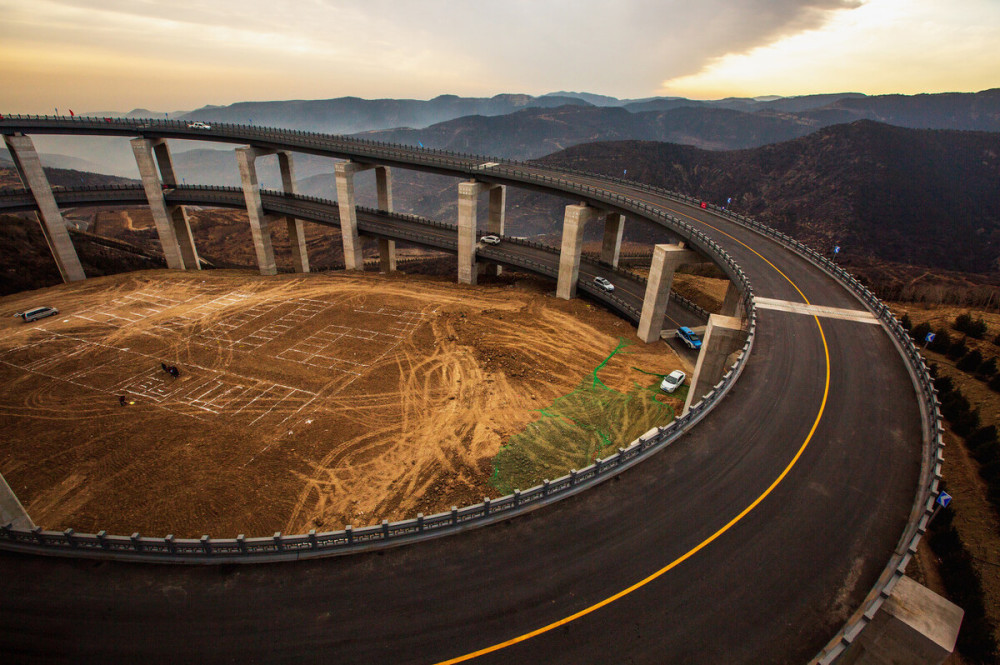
[
  {"x": 723, "y": 336},
  {"x": 386, "y": 247},
  {"x": 347, "y": 203},
  {"x": 574, "y": 221},
  {"x": 614, "y": 226},
  {"x": 259, "y": 227},
  {"x": 386, "y": 255},
  {"x": 29, "y": 169},
  {"x": 296, "y": 234},
  {"x": 914, "y": 625},
  {"x": 178, "y": 214},
  {"x": 666, "y": 260},
  {"x": 496, "y": 220},
  {"x": 11, "y": 510},
  {"x": 468, "y": 205},
  {"x": 732, "y": 305},
  {"x": 163, "y": 218}
]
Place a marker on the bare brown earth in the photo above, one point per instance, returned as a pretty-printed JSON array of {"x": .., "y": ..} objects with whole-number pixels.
[
  {"x": 302, "y": 402},
  {"x": 974, "y": 518}
]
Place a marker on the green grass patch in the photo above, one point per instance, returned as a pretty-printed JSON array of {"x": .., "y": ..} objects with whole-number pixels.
[{"x": 590, "y": 422}]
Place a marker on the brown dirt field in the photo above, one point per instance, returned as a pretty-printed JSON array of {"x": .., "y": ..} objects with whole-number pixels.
[
  {"x": 303, "y": 401},
  {"x": 975, "y": 520}
]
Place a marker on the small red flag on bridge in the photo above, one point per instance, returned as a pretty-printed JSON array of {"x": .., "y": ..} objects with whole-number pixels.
[{"x": 71, "y": 113}]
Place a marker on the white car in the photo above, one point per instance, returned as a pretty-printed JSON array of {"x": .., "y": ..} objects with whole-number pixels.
[
  {"x": 672, "y": 381},
  {"x": 198, "y": 125},
  {"x": 491, "y": 240},
  {"x": 38, "y": 313},
  {"x": 604, "y": 284}
]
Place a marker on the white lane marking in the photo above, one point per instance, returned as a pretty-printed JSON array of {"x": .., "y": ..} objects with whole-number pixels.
[{"x": 859, "y": 316}]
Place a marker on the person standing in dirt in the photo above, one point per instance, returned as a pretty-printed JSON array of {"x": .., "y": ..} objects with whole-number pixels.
[
  {"x": 121, "y": 400},
  {"x": 165, "y": 368}
]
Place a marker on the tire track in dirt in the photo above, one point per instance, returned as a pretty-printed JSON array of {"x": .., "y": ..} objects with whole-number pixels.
[{"x": 445, "y": 375}]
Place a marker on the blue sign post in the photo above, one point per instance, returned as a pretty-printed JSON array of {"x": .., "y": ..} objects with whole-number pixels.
[
  {"x": 943, "y": 499},
  {"x": 836, "y": 249}
]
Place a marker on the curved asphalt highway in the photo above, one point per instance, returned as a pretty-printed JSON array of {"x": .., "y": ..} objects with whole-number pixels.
[{"x": 750, "y": 540}]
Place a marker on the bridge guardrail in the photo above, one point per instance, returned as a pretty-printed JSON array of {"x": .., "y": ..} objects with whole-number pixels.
[{"x": 347, "y": 540}]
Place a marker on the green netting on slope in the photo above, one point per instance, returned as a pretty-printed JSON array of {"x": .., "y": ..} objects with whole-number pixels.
[{"x": 590, "y": 422}]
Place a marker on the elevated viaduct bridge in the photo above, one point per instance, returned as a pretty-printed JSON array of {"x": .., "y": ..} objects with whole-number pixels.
[{"x": 768, "y": 526}]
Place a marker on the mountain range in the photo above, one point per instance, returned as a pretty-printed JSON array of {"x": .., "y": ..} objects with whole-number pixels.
[
  {"x": 526, "y": 127},
  {"x": 921, "y": 197}
]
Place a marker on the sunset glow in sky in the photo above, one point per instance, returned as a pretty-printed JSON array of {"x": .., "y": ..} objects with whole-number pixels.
[{"x": 95, "y": 55}]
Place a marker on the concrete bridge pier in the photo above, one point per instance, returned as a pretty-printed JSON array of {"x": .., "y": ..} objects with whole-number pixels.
[
  {"x": 723, "y": 336},
  {"x": 732, "y": 305},
  {"x": 495, "y": 221},
  {"x": 666, "y": 260},
  {"x": 29, "y": 169},
  {"x": 614, "y": 226},
  {"x": 11, "y": 510},
  {"x": 574, "y": 221},
  {"x": 296, "y": 234},
  {"x": 347, "y": 202},
  {"x": 259, "y": 222},
  {"x": 914, "y": 626},
  {"x": 177, "y": 214},
  {"x": 178, "y": 249},
  {"x": 468, "y": 221},
  {"x": 386, "y": 247}
]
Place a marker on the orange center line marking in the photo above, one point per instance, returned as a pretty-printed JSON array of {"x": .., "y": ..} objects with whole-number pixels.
[{"x": 703, "y": 544}]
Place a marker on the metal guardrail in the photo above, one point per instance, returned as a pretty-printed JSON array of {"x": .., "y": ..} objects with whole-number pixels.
[{"x": 313, "y": 544}]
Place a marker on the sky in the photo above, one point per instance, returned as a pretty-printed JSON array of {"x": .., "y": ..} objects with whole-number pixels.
[{"x": 117, "y": 55}]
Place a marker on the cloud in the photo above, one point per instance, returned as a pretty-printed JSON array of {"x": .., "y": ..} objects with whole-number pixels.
[
  {"x": 902, "y": 46},
  {"x": 625, "y": 48}
]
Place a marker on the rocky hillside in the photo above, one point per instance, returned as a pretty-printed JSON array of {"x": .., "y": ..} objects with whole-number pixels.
[{"x": 922, "y": 197}]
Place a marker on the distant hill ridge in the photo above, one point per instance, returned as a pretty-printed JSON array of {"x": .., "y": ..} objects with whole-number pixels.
[
  {"x": 980, "y": 110},
  {"x": 723, "y": 125},
  {"x": 923, "y": 197},
  {"x": 521, "y": 126}
]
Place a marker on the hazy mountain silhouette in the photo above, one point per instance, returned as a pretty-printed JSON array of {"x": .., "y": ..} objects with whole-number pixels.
[
  {"x": 720, "y": 125},
  {"x": 348, "y": 115}
]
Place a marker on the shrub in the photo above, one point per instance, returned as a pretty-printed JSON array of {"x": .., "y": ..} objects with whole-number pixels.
[
  {"x": 905, "y": 322},
  {"x": 957, "y": 349},
  {"x": 978, "y": 328},
  {"x": 995, "y": 383},
  {"x": 970, "y": 362},
  {"x": 944, "y": 386},
  {"x": 987, "y": 452},
  {"x": 965, "y": 423},
  {"x": 990, "y": 471},
  {"x": 964, "y": 323},
  {"x": 987, "y": 369},
  {"x": 996, "y": 340},
  {"x": 942, "y": 341},
  {"x": 954, "y": 404},
  {"x": 982, "y": 435}
]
